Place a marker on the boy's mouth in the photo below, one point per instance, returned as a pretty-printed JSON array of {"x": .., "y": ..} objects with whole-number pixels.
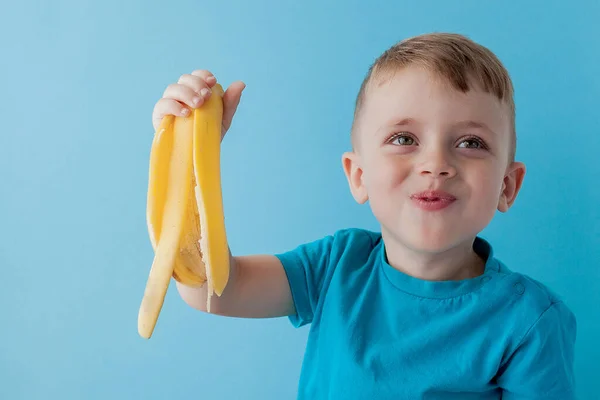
[{"x": 432, "y": 200}]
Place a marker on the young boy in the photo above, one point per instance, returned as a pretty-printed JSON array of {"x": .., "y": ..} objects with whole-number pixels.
[{"x": 422, "y": 309}]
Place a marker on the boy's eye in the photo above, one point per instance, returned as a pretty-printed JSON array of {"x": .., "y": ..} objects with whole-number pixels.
[
  {"x": 473, "y": 143},
  {"x": 403, "y": 140}
]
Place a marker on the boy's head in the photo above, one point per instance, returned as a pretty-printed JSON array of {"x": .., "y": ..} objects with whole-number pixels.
[{"x": 435, "y": 112}]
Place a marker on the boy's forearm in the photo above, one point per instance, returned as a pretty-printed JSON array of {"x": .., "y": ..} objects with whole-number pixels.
[{"x": 196, "y": 297}]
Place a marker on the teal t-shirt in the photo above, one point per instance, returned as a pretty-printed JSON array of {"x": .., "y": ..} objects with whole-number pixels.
[{"x": 377, "y": 333}]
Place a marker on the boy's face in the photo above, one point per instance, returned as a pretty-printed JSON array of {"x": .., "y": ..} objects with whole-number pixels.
[{"x": 417, "y": 133}]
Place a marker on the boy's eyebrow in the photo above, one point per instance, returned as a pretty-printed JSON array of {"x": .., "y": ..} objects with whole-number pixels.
[
  {"x": 397, "y": 123},
  {"x": 474, "y": 124},
  {"x": 403, "y": 122}
]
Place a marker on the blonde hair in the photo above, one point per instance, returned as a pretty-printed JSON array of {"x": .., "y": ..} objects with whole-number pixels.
[{"x": 456, "y": 59}]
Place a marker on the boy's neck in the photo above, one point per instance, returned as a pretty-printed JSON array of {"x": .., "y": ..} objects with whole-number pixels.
[{"x": 460, "y": 262}]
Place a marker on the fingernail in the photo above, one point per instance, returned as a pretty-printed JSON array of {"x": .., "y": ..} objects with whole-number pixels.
[
  {"x": 196, "y": 100},
  {"x": 211, "y": 78},
  {"x": 204, "y": 92},
  {"x": 185, "y": 111}
]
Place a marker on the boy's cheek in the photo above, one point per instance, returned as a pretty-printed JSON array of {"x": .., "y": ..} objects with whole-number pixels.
[{"x": 487, "y": 197}]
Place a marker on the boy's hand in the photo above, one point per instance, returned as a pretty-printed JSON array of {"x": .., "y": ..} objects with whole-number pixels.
[{"x": 178, "y": 98}]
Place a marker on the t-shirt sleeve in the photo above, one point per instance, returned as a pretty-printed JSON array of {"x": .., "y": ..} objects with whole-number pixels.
[
  {"x": 542, "y": 365},
  {"x": 306, "y": 267}
]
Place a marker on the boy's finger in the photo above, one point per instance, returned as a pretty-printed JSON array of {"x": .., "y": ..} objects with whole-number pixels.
[
  {"x": 206, "y": 75},
  {"x": 166, "y": 106},
  {"x": 194, "y": 82},
  {"x": 185, "y": 94},
  {"x": 231, "y": 100}
]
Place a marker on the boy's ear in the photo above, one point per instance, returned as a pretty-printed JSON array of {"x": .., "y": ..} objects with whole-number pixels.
[
  {"x": 351, "y": 163},
  {"x": 511, "y": 185}
]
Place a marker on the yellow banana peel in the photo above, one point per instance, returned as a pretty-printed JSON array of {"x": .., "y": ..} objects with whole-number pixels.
[{"x": 184, "y": 210}]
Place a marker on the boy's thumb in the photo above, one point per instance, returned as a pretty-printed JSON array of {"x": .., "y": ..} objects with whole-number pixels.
[{"x": 231, "y": 100}]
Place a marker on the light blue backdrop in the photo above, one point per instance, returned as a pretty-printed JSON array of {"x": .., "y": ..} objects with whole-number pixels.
[{"x": 79, "y": 81}]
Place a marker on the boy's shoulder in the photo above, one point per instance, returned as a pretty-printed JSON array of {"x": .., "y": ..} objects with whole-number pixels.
[
  {"x": 532, "y": 293},
  {"x": 357, "y": 242},
  {"x": 530, "y": 307},
  {"x": 356, "y": 236}
]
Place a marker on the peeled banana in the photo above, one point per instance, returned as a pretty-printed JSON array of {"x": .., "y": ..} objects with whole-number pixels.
[{"x": 184, "y": 210}]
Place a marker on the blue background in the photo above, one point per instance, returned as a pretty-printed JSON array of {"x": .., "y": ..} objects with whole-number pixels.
[{"x": 79, "y": 82}]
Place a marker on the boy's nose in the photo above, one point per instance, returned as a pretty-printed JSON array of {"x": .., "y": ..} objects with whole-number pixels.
[{"x": 436, "y": 164}]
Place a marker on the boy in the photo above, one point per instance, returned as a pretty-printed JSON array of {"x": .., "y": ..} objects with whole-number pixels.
[{"x": 423, "y": 309}]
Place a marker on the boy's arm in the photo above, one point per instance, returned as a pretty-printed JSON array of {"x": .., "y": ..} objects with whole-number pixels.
[
  {"x": 257, "y": 288},
  {"x": 542, "y": 365}
]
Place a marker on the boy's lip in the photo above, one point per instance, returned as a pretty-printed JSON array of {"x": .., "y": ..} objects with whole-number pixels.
[
  {"x": 433, "y": 195},
  {"x": 432, "y": 200}
]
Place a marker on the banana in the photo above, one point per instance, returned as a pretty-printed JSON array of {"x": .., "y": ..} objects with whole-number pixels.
[{"x": 184, "y": 212}]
